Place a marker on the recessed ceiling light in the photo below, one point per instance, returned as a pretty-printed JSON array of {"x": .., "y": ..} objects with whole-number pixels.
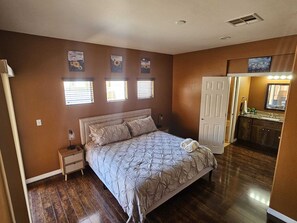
[
  {"x": 180, "y": 22},
  {"x": 225, "y": 37}
]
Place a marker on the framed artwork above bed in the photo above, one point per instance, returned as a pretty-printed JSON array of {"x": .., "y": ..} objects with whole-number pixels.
[
  {"x": 145, "y": 65},
  {"x": 116, "y": 64},
  {"x": 76, "y": 61}
]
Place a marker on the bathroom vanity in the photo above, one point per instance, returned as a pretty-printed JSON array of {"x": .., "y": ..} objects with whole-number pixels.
[{"x": 260, "y": 131}]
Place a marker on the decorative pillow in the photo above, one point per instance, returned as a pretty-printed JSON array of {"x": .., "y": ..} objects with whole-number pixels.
[
  {"x": 134, "y": 118},
  {"x": 142, "y": 126},
  {"x": 97, "y": 126},
  {"x": 113, "y": 133}
]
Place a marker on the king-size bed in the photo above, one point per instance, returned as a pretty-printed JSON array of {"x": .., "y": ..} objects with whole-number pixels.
[{"x": 141, "y": 170}]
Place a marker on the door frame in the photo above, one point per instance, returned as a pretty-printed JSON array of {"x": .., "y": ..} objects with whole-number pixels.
[{"x": 234, "y": 105}]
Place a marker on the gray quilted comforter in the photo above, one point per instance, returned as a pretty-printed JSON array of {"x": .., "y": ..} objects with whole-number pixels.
[{"x": 141, "y": 170}]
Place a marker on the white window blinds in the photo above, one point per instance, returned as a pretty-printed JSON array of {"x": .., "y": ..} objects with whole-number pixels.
[
  {"x": 116, "y": 90},
  {"x": 78, "y": 92},
  {"x": 145, "y": 89}
]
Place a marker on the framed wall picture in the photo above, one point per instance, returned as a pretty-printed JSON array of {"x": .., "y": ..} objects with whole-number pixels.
[
  {"x": 259, "y": 64},
  {"x": 76, "y": 61},
  {"x": 116, "y": 64},
  {"x": 145, "y": 66}
]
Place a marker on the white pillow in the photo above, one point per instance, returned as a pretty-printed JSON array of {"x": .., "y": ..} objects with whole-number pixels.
[
  {"x": 134, "y": 118},
  {"x": 97, "y": 126},
  {"x": 110, "y": 134},
  {"x": 142, "y": 126}
]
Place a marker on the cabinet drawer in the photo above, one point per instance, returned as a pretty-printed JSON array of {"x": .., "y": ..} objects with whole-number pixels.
[
  {"x": 74, "y": 166},
  {"x": 263, "y": 123},
  {"x": 73, "y": 158},
  {"x": 268, "y": 124}
]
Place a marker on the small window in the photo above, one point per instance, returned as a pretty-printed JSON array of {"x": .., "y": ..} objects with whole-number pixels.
[
  {"x": 116, "y": 90},
  {"x": 78, "y": 92},
  {"x": 145, "y": 89}
]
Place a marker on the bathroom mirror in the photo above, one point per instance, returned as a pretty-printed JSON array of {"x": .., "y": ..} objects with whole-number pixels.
[{"x": 276, "y": 96}]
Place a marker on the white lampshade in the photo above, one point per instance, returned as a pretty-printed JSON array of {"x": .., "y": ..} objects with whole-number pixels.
[{"x": 71, "y": 134}]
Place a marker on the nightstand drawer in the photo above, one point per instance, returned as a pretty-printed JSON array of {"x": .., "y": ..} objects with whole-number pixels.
[
  {"x": 73, "y": 158},
  {"x": 73, "y": 167}
]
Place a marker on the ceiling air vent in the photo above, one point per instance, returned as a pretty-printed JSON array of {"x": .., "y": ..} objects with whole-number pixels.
[{"x": 245, "y": 20}]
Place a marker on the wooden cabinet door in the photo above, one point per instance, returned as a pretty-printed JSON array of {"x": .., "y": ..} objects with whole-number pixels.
[
  {"x": 263, "y": 136},
  {"x": 257, "y": 134},
  {"x": 276, "y": 139},
  {"x": 268, "y": 137},
  {"x": 244, "y": 128},
  {"x": 260, "y": 132}
]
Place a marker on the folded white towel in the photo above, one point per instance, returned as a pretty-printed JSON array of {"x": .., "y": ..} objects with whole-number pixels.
[
  {"x": 185, "y": 142},
  {"x": 192, "y": 146},
  {"x": 204, "y": 147}
]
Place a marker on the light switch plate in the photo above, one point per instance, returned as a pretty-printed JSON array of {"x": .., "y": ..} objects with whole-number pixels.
[{"x": 38, "y": 122}]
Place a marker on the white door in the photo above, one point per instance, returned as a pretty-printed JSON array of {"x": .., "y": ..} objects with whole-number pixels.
[{"x": 213, "y": 112}]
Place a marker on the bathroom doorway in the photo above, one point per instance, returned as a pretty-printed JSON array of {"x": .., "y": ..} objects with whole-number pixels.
[{"x": 250, "y": 88}]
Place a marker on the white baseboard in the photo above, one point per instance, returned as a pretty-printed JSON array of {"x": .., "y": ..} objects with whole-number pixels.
[
  {"x": 43, "y": 176},
  {"x": 280, "y": 216}
]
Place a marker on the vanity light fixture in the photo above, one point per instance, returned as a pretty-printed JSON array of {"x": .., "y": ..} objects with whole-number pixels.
[
  {"x": 280, "y": 77},
  {"x": 283, "y": 77}
]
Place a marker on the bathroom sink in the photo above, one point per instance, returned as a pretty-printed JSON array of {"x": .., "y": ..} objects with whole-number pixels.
[{"x": 271, "y": 119}]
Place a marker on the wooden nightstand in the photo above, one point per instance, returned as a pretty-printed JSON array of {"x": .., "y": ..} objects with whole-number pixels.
[{"x": 71, "y": 160}]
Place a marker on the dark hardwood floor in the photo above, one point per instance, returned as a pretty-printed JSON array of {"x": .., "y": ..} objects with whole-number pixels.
[{"x": 239, "y": 192}]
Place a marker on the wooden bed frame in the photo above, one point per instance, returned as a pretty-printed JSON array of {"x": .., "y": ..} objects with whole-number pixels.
[{"x": 84, "y": 124}]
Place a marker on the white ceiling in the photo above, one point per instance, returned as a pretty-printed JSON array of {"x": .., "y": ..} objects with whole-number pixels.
[{"x": 150, "y": 24}]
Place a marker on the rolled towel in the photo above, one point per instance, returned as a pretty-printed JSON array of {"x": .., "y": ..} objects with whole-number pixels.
[
  {"x": 185, "y": 142},
  {"x": 192, "y": 146},
  {"x": 204, "y": 147}
]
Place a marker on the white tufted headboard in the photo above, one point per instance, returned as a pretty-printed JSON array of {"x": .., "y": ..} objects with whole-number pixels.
[{"x": 84, "y": 123}]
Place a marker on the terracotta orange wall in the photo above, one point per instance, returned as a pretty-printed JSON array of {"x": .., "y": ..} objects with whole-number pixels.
[
  {"x": 37, "y": 88},
  {"x": 258, "y": 91},
  {"x": 189, "y": 68},
  {"x": 284, "y": 192}
]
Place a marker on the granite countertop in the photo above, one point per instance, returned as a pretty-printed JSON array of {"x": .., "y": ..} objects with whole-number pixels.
[{"x": 273, "y": 118}]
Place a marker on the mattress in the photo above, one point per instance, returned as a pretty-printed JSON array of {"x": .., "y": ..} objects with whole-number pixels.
[{"x": 140, "y": 171}]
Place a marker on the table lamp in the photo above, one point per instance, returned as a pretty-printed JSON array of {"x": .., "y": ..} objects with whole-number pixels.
[{"x": 71, "y": 136}]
